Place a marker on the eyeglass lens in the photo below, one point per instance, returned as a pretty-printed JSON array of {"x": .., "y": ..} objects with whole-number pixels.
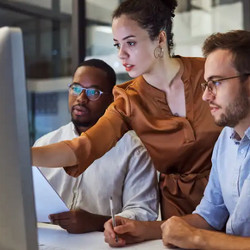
[
  {"x": 91, "y": 93},
  {"x": 210, "y": 86}
]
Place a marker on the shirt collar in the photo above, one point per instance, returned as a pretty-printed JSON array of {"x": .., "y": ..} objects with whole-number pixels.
[
  {"x": 74, "y": 128},
  {"x": 236, "y": 138},
  {"x": 247, "y": 133}
]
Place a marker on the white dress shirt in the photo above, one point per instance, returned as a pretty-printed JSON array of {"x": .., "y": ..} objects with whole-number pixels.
[{"x": 126, "y": 173}]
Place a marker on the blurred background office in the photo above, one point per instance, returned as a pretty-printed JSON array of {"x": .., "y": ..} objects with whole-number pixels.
[{"x": 58, "y": 34}]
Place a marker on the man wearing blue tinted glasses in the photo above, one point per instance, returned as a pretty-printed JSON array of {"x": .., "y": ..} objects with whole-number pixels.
[
  {"x": 125, "y": 172},
  {"x": 92, "y": 93},
  {"x": 222, "y": 219}
]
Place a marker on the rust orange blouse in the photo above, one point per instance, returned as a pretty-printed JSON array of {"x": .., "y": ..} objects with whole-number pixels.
[{"x": 180, "y": 147}]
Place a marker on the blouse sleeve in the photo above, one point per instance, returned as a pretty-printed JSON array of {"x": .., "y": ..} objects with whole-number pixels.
[{"x": 100, "y": 138}]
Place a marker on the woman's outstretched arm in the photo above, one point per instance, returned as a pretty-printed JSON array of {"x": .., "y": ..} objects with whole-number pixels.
[{"x": 53, "y": 155}]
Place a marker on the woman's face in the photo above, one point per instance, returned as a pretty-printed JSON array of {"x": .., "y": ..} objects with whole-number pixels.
[{"x": 135, "y": 48}]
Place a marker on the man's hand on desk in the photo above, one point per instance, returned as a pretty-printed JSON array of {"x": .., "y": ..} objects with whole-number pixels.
[
  {"x": 177, "y": 232},
  {"x": 128, "y": 231},
  {"x": 79, "y": 221}
]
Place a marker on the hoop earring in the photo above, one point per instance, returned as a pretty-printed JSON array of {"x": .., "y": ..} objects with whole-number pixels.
[{"x": 158, "y": 52}]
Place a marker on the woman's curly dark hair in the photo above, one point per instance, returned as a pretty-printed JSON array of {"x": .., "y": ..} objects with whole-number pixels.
[{"x": 152, "y": 15}]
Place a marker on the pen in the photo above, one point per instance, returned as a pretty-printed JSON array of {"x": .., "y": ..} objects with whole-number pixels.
[{"x": 113, "y": 216}]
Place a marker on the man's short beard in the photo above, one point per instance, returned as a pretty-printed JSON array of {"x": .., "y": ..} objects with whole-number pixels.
[
  {"x": 236, "y": 111},
  {"x": 81, "y": 124}
]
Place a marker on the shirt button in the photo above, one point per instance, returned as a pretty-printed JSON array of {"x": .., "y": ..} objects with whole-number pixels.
[{"x": 242, "y": 151}]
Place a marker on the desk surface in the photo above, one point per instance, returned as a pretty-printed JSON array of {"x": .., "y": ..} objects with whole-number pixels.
[{"x": 52, "y": 237}]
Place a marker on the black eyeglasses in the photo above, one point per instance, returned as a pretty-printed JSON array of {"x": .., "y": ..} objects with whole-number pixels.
[
  {"x": 212, "y": 85},
  {"x": 92, "y": 94}
]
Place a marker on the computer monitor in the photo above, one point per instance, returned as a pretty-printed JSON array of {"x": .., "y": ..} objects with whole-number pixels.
[{"x": 17, "y": 215}]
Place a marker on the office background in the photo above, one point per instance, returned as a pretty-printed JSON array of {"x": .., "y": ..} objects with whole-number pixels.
[{"x": 58, "y": 34}]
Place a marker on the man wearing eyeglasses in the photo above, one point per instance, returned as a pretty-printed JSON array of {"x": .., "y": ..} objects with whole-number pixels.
[
  {"x": 125, "y": 172},
  {"x": 222, "y": 219}
]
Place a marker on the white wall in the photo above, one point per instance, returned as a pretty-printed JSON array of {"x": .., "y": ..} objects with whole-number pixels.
[{"x": 191, "y": 28}]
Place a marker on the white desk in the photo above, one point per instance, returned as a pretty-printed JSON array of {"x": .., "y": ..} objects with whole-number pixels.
[{"x": 52, "y": 237}]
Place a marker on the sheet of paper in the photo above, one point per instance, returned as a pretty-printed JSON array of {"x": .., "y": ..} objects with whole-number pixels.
[
  {"x": 47, "y": 201},
  {"x": 54, "y": 237}
]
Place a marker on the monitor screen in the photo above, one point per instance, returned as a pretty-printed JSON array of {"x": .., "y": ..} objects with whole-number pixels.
[{"x": 17, "y": 214}]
